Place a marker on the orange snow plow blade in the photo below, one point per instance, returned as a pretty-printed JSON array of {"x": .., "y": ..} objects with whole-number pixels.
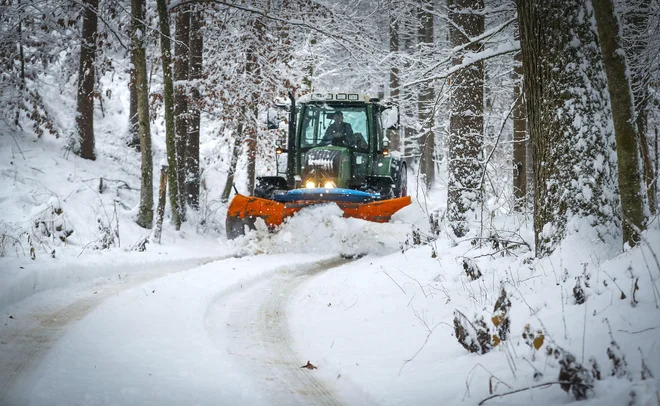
[{"x": 244, "y": 210}]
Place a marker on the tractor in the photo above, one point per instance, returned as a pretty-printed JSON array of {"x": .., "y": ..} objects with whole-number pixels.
[{"x": 352, "y": 168}]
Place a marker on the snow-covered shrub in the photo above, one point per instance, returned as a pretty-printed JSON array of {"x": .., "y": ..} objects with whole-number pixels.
[
  {"x": 578, "y": 293},
  {"x": 501, "y": 318},
  {"x": 49, "y": 221},
  {"x": 107, "y": 235},
  {"x": 8, "y": 244},
  {"x": 474, "y": 337},
  {"x": 471, "y": 269},
  {"x": 534, "y": 339},
  {"x": 573, "y": 376},
  {"x": 619, "y": 364},
  {"x": 108, "y": 231}
]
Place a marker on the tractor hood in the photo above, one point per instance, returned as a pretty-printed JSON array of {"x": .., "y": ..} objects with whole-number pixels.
[{"x": 322, "y": 165}]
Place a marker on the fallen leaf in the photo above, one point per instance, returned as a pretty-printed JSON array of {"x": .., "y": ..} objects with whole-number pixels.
[
  {"x": 11, "y": 317},
  {"x": 308, "y": 366},
  {"x": 538, "y": 341}
]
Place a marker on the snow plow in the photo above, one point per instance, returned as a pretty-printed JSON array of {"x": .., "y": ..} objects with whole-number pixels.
[{"x": 337, "y": 153}]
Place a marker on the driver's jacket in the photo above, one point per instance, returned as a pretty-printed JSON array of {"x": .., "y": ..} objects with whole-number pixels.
[{"x": 336, "y": 130}]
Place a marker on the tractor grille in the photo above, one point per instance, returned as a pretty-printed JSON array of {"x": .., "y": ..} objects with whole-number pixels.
[{"x": 322, "y": 163}]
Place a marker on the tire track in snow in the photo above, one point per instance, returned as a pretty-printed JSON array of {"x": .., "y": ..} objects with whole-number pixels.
[
  {"x": 254, "y": 323},
  {"x": 28, "y": 336}
]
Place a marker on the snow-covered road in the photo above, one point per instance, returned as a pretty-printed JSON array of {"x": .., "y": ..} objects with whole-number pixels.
[
  {"x": 198, "y": 334},
  {"x": 252, "y": 324}
]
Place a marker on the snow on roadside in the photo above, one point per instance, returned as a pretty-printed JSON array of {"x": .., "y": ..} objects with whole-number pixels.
[{"x": 385, "y": 324}]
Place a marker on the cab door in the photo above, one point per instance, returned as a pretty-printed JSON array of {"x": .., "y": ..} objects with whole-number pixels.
[{"x": 380, "y": 166}]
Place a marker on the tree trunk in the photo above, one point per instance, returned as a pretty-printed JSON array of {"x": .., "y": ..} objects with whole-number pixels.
[
  {"x": 234, "y": 160},
  {"x": 181, "y": 58},
  {"x": 161, "y": 203},
  {"x": 466, "y": 117},
  {"x": 251, "y": 144},
  {"x": 636, "y": 30},
  {"x": 627, "y": 151},
  {"x": 567, "y": 116},
  {"x": 252, "y": 70},
  {"x": 168, "y": 96},
  {"x": 133, "y": 121},
  {"x": 85, "y": 111},
  {"x": 21, "y": 57},
  {"x": 196, "y": 44},
  {"x": 146, "y": 213},
  {"x": 394, "y": 136},
  {"x": 426, "y": 99},
  {"x": 519, "y": 140}
]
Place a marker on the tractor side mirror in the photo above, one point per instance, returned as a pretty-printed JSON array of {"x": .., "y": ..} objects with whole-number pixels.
[
  {"x": 390, "y": 117},
  {"x": 272, "y": 120}
]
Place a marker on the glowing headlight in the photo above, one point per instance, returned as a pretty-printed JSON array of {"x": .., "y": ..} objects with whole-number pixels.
[
  {"x": 310, "y": 184},
  {"x": 329, "y": 185}
]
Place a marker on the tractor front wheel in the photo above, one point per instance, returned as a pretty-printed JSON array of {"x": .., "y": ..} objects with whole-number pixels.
[{"x": 401, "y": 188}]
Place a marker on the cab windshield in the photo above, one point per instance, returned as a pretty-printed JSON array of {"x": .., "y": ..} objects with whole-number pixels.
[{"x": 318, "y": 118}]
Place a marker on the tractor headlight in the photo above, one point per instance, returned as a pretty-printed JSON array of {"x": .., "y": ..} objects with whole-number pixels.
[
  {"x": 310, "y": 184},
  {"x": 329, "y": 185}
]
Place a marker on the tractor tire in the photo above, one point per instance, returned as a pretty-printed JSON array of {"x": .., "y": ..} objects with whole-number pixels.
[
  {"x": 267, "y": 186},
  {"x": 401, "y": 188}
]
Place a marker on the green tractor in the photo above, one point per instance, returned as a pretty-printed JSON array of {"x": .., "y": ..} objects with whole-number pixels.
[{"x": 337, "y": 153}]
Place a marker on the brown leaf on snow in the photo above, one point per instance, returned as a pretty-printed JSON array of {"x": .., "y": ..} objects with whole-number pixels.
[{"x": 308, "y": 366}]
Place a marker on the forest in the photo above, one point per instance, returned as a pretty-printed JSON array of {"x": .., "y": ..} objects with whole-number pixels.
[
  {"x": 529, "y": 130},
  {"x": 509, "y": 106}
]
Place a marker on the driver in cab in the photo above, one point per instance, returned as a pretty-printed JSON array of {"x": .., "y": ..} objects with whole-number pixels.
[{"x": 339, "y": 132}]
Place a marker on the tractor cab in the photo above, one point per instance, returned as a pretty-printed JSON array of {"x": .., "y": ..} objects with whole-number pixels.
[{"x": 339, "y": 141}]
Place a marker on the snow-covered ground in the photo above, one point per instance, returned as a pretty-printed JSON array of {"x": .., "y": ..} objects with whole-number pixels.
[{"x": 91, "y": 320}]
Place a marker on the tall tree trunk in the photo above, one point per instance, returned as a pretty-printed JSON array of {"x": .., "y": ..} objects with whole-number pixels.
[
  {"x": 466, "y": 120},
  {"x": 168, "y": 96},
  {"x": 146, "y": 214},
  {"x": 133, "y": 120},
  {"x": 252, "y": 70},
  {"x": 394, "y": 136},
  {"x": 21, "y": 57},
  {"x": 85, "y": 111},
  {"x": 426, "y": 99},
  {"x": 196, "y": 44},
  {"x": 519, "y": 139},
  {"x": 567, "y": 116},
  {"x": 627, "y": 150},
  {"x": 636, "y": 30},
  {"x": 181, "y": 70}
]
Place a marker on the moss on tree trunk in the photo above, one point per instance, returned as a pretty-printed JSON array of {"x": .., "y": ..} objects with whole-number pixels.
[
  {"x": 627, "y": 149},
  {"x": 168, "y": 96},
  {"x": 146, "y": 213}
]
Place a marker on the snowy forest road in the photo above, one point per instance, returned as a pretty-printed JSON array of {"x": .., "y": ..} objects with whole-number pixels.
[
  {"x": 259, "y": 337},
  {"x": 198, "y": 334},
  {"x": 27, "y": 339}
]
